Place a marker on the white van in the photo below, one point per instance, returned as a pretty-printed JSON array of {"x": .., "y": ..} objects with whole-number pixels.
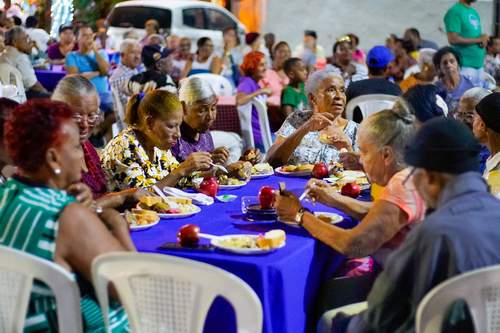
[{"x": 184, "y": 18}]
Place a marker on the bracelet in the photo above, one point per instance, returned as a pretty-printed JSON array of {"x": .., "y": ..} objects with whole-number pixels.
[{"x": 300, "y": 215}]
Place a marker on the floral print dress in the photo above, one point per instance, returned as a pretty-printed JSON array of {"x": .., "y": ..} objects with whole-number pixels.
[{"x": 128, "y": 165}]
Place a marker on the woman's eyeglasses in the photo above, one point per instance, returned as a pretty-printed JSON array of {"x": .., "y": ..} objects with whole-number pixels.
[{"x": 92, "y": 118}]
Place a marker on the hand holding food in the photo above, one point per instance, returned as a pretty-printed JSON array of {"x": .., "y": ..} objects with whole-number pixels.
[
  {"x": 194, "y": 162},
  {"x": 251, "y": 155},
  {"x": 335, "y": 137},
  {"x": 220, "y": 156},
  {"x": 320, "y": 191},
  {"x": 287, "y": 205},
  {"x": 318, "y": 121}
]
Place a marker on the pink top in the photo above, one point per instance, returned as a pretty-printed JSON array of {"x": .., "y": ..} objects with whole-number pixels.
[
  {"x": 406, "y": 197},
  {"x": 277, "y": 83}
]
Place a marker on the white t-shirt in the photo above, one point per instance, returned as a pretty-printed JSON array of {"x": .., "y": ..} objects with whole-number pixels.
[
  {"x": 22, "y": 63},
  {"x": 40, "y": 36}
]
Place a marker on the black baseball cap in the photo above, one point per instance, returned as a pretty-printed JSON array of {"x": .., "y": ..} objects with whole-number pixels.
[
  {"x": 444, "y": 145},
  {"x": 489, "y": 111},
  {"x": 152, "y": 53}
]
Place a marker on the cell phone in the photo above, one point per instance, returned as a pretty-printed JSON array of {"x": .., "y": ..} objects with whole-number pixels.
[{"x": 178, "y": 246}]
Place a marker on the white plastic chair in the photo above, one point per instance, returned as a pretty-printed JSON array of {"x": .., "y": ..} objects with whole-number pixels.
[
  {"x": 221, "y": 85},
  {"x": 17, "y": 272},
  {"x": 164, "y": 294},
  {"x": 9, "y": 75},
  {"x": 325, "y": 322},
  {"x": 479, "y": 288},
  {"x": 369, "y": 104},
  {"x": 245, "y": 116},
  {"x": 119, "y": 113},
  {"x": 490, "y": 81}
]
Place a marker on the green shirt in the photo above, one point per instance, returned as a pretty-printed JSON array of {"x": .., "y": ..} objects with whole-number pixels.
[
  {"x": 465, "y": 21},
  {"x": 29, "y": 221},
  {"x": 296, "y": 99}
]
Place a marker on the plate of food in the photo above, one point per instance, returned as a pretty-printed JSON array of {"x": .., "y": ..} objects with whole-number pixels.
[
  {"x": 300, "y": 170},
  {"x": 329, "y": 217},
  {"x": 172, "y": 208},
  {"x": 262, "y": 170},
  {"x": 141, "y": 219},
  {"x": 230, "y": 183},
  {"x": 251, "y": 244}
]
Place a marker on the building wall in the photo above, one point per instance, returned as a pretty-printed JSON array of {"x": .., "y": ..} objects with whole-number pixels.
[{"x": 371, "y": 20}]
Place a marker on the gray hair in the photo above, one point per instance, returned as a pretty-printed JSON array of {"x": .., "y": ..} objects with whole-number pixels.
[
  {"x": 12, "y": 35},
  {"x": 128, "y": 43},
  {"x": 73, "y": 86},
  {"x": 316, "y": 78},
  {"x": 193, "y": 89},
  {"x": 394, "y": 128},
  {"x": 425, "y": 56},
  {"x": 475, "y": 94}
]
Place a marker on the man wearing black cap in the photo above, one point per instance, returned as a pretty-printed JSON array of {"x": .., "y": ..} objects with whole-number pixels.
[
  {"x": 461, "y": 234},
  {"x": 158, "y": 66},
  {"x": 486, "y": 128}
]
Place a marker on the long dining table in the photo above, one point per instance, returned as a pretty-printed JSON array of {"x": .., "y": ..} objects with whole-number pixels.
[{"x": 286, "y": 281}]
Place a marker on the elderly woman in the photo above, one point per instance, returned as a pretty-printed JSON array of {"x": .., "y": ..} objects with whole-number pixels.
[
  {"x": 298, "y": 140},
  {"x": 140, "y": 155},
  {"x": 467, "y": 104},
  {"x": 384, "y": 223},
  {"x": 254, "y": 69},
  {"x": 454, "y": 84},
  {"x": 275, "y": 77},
  {"x": 204, "y": 60},
  {"x": 43, "y": 141},
  {"x": 199, "y": 104},
  {"x": 342, "y": 61}
]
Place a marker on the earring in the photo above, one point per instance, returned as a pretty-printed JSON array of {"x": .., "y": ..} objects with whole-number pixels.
[{"x": 57, "y": 171}]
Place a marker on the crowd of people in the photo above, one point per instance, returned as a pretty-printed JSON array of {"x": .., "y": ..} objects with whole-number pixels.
[{"x": 435, "y": 154}]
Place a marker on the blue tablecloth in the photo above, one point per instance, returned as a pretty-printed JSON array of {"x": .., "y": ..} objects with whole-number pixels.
[
  {"x": 48, "y": 78},
  {"x": 286, "y": 281}
]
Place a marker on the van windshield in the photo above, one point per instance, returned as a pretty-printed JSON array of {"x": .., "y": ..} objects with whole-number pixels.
[{"x": 136, "y": 16}]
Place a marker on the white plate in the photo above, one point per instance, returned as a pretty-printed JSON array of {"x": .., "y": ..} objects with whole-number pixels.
[
  {"x": 143, "y": 226},
  {"x": 231, "y": 187},
  {"x": 262, "y": 175},
  {"x": 335, "y": 218},
  {"x": 293, "y": 174},
  {"x": 181, "y": 215},
  {"x": 216, "y": 242},
  {"x": 352, "y": 174}
]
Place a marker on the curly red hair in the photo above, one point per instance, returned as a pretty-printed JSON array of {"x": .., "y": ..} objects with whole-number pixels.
[
  {"x": 251, "y": 62},
  {"x": 32, "y": 129}
]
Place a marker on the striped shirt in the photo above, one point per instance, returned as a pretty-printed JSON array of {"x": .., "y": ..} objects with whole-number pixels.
[{"x": 29, "y": 222}]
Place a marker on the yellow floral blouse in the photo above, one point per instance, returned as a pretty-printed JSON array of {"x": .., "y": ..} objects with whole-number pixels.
[{"x": 128, "y": 165}]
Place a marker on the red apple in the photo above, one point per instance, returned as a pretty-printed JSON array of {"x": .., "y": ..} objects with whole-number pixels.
[
  {"x": 320, "y": 171},
  {"x": 188, "y": 234},
  {"x": 209, "y": 186},
  {"x": 266, "y": 197},
  {"x": 351, "y": 190}
]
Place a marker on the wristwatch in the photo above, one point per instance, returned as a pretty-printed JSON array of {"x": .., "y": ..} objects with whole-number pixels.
[{"x": 300, "y": 214}]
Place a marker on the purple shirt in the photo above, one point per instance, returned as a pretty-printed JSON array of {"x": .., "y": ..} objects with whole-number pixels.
[
  {"x": 248, "y": 85},
  {"x": 54, "y": 53},
  {"x": 185, "y": 146}
]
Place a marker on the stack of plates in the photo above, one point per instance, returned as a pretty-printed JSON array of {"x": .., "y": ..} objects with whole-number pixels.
[{"x": 254, "y": 212}]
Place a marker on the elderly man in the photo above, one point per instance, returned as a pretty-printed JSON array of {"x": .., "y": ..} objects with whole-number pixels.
[
  {"x": 130, "y": 54},
  {"x": 460, "y": 235},
  {"x": 18, "y": 48}
]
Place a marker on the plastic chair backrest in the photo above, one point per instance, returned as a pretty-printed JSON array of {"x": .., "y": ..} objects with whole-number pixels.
[
  {"x": 481, "y": 291},
  {"x": 490, "y": 80},
  {"x": 369, "y": 104},
  {"x": 245, "y": 116},
  {"x": 9, "y": 75},
  {"x": 221, "y": 85},
  {"x": 17, "y": 272},
  {"x": 162, "y": 293},
  {"x": 119, "y": 112}
]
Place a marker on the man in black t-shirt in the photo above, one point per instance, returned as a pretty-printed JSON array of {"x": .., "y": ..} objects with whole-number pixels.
[{"x": 377, "y": 60}]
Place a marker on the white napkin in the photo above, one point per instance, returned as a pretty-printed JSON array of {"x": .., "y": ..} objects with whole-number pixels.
[{"x": 197, "y": 198}]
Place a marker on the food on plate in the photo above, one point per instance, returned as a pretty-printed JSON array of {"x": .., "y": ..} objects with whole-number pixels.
[
  {"x": 262, "y": 169},
  {"x": 141, "y": 217},
  {"x": 351, "y": 190},
  {"x": 271, "y": 239},
  {"x": 241, "y": 170},
  {"x": 320, "y": 170},
  {"x": 251, "y": 156},
  {"x": 329, "y": 218},
  {"x": 209, "y": 186},
  {"x": 173, "y": 205},
  {"x": 188, "y": 235},
  {"x": 226, "y": 180},
  {"x": 298, "y": 168},
  {"x": 240, "y": 242},
  {"x": 266, "y": 197}
]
